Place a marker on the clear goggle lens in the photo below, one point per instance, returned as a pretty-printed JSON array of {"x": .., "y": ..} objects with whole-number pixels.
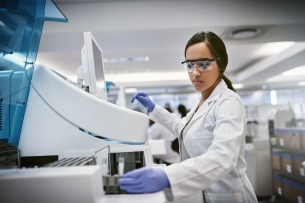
[{"x": 202, "y": 66}]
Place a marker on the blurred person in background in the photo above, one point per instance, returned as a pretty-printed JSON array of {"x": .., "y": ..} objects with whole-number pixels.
[
  {"x": 168, "y": 107},
  {"x": 158, "y": 132},
  {"x": 182, "y": 110}
]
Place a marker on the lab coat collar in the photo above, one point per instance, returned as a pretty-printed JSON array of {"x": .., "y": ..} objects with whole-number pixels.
[{"x": 216, "y": 93}]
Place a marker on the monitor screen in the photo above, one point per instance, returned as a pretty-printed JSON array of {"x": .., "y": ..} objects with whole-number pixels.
[
  {"x": 93, "y": 67},
  {"x": 98, "y": 65}
]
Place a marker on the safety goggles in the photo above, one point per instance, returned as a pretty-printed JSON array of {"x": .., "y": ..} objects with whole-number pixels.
[{"x": 203, "y": 65}]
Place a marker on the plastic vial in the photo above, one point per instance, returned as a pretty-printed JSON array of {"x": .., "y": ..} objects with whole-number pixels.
[{"x": 121, "y": 166}]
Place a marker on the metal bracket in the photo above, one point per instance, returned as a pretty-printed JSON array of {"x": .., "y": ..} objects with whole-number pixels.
[{"x": 109, "y": 161}]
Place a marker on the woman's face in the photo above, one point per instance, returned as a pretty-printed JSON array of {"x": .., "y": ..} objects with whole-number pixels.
[{"x": 202, "y": 81}]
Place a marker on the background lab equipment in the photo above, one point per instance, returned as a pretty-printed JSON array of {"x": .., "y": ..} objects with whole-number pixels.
[
  {"x": 257, "y": 156},
  {"x": 51, "y": 119}
]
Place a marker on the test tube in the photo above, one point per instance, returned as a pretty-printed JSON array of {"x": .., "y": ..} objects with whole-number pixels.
[{"x": 121, "y": 166}]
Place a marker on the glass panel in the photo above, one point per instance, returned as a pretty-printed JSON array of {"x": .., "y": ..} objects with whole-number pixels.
[
  {"x": 5, "y": 99},
  {"x": 52, "y": 13},
  {"x": 21, "y": 23},
  {"x": 20, "y": 87},
  {"x": 12, "y": 46},
  {"x": 43, "y": 10}
]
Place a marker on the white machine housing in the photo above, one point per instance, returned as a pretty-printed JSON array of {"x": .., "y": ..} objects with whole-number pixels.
[
  {"x": 63, "y": 184},
  {"x": 60, "y": 119}
]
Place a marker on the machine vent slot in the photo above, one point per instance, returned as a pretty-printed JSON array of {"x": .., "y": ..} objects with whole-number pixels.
[{"x": 0, "y": 113}]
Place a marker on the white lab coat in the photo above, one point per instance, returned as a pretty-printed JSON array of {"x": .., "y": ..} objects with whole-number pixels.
[
  {"x": 157, "y": 132},
  {"x": 215, "y": 140}
]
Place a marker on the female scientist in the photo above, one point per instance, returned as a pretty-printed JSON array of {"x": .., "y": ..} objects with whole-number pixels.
[{"x": 212, "y": 135}]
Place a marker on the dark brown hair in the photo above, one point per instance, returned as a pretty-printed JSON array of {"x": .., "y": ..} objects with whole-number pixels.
[{"x": 217, "y": 48}]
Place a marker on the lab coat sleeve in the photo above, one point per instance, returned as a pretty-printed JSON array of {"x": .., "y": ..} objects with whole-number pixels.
[
  {"x": 168, "y": 120},
  {"x": 195, "y": 174}
]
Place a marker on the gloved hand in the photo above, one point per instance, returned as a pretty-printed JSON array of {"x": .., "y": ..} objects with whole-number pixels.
[
  {"x": 143, "y": 98},
  {"x": 144, "y": 180}
]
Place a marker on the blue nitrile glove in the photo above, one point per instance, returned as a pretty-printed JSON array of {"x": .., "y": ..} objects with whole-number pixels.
[
  {"x": 144, "y": 180},
  {"x": 143, "y": 98}
]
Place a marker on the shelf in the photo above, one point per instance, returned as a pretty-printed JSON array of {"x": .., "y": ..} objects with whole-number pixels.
[
  {"x": 280, "y": 197},
  {"x": 283, "y": 173},
  {"x": 289, "y": 175},
  {"x": 295, "y": 151}
]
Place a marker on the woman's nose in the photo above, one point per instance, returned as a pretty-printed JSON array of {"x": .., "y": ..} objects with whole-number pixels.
[{"x": 196, "y": 72}]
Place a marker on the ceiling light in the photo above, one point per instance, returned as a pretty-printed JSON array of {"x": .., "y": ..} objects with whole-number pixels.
[
  {"x": 147, "y": 77},
  {"x": 295, "y": 74},
  {"x": 238, "y": 86},
  {"x": 295, "y": 71},
  {"x": 272, "y": 48},
  {"x": 131, "y": 90},
  {"x": 245, "y": 33},
  {"x": 264, "y": 87},
  {"x": 273, "y": 97},
  {"x": 125, "y": 59},
  {"x": 302, "y": 83}
]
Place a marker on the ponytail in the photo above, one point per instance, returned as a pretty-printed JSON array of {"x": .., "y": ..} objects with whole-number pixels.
[{"x": 228, "y": 82}]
